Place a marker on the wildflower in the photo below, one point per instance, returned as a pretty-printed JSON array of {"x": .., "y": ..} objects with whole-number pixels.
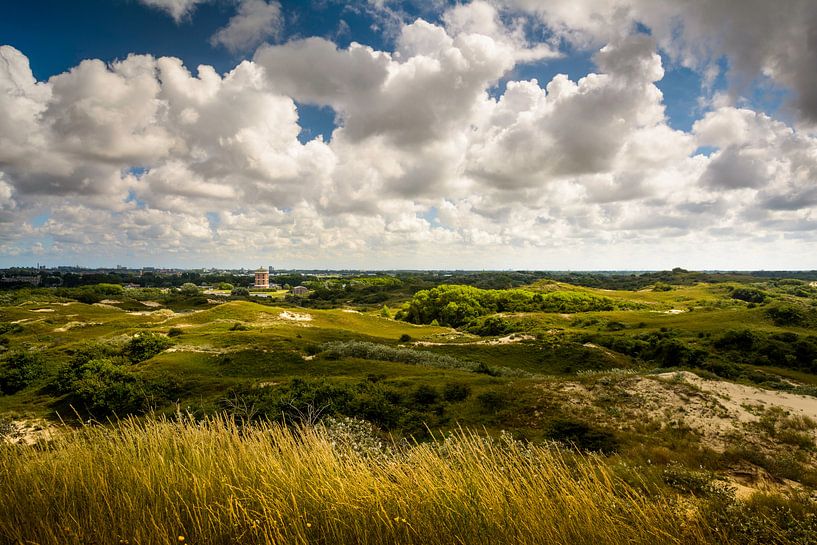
[
  {"x": 309, "y": 525},
  {"x": 181, "y": 539}
]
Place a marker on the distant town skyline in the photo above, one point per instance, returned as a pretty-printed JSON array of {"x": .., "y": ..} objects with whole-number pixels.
[{"x": 385, "y": 134}]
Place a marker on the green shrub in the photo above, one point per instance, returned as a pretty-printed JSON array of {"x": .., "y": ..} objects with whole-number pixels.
[
  {"x": 405, "y": 338},
  {"x": 425, "y": 395},
  {"x": 783, "y": 314},
  {"x": 240, "y": 292},
  {"x": 19, "y": 370},
  {"x": 145, "y": 345},
  {"x": 491, "y": 401},
  {"x": 748, "y": 294},
  {"x": 456, "y": 391},
  {"x": 8, "y": 327},
  {"x": 188, "y": 289},
  {"x": 582, "y": 436},
  {"x": 174, "y": 332}
]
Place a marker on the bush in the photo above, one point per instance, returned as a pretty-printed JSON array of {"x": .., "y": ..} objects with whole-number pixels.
[
  {"x": 490, "y": 326},
  {"x": 240, "y": 292},
  {"x": 456, "y": 391},
  {"x": 174, "y": 331},
  {"x": 750, "y": 295},
  {"x": 582, "y": 436},
  {"x": 784, "y": 314},
  {"x": 405, "y": 338},
  {"x": 145, "y": 345},
  {"x": 425, "y": 395},
  {"x": 19, "y": 370},
  {"x": 189, "y": 289},
  {"x": 491, "y": 401}
]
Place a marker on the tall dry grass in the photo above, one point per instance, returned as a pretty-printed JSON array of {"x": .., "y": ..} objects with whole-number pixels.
[{"x": 214, "y": 482}]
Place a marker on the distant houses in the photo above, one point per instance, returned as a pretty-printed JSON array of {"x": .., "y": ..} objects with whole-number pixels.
[{"x": 300, "y": 290}]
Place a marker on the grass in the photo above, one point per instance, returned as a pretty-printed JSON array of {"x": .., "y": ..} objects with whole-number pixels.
[{"x": 215, "y": 482}]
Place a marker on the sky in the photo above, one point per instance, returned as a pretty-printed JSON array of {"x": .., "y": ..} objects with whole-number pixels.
[{"x": 414, "y": 134}]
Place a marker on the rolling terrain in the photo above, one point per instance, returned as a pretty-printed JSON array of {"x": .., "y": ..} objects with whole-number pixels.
[{"x": 698, "y": 392}]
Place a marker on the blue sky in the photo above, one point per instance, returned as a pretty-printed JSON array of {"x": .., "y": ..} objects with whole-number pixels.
[
  {"x": 441, "y": 147},
  {"x": 57, "y": 35}
]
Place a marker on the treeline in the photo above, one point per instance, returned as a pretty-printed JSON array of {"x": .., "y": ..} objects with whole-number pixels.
[
  {"x": 675, "y": 277},
  {"x": 458, "y": 305}
]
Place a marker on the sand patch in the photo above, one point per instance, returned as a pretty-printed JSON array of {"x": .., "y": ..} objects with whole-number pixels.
[
  {"x": 717, "y": 411},
  {"x": 508, "y": 339},
  {"x": 202, "y": 349},
  {"x": 456, "y": 340},
  {"x": 29, "y": 432},
  {"x": 166, "y": 312},
  {"x": 110, "y": 302},
  {"x": 42, "y": 310},
  {"x": 74, "y": 325},
  {"x": 295, "y": 316},
  {"x": 151, "y": 304},
  {"x": 106, "y": 305}
]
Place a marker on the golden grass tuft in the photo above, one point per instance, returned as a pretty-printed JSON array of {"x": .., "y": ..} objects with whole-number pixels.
[{"x": 214, "y": 482}]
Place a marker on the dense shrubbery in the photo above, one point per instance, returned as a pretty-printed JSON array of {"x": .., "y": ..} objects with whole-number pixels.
[
  {"x": 18, "y": 371},
  {"x": 457, "y": 305},
  {"x": 783, "y": 314},
  {"x": 381, "y": 352},
  {"x": 582, "y": 436},
  {"x": 787, "y": 350},
  {"x": 101, "y": 379},
  {"x": 145, "y": 345},
  {"x": 662, "y": 348},
  {"x": 303, "y": 401},
  {"x": 749, "y": 294}
]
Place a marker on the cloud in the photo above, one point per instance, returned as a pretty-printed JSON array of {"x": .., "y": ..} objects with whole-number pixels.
[
  {"x": 255, "y": 21},
  {"x": 177, "y": 9},
  {"x": 760, "y": 39},
  {"x": 440, "y": 156}
]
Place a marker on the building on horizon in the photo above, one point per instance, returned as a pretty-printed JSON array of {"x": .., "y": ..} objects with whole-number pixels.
[{"x": 261, "y": 278}]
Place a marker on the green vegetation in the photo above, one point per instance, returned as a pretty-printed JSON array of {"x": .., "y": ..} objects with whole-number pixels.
[
  {"x": 603, "y": 374},
  {"x": 456, "y": 306}
]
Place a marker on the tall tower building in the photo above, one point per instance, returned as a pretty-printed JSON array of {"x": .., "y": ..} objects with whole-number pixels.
[{"x": 261, "y": 278}]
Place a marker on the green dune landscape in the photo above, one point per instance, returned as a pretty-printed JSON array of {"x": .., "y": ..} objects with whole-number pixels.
[{"x": 679, "y": 412}]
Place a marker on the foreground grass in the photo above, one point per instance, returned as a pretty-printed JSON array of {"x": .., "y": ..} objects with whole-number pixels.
[{"x": 215, "y": 482}]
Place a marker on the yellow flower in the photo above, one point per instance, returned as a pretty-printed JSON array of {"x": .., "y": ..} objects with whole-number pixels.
[
  {"x": 181, "y": 539},
  {"x": 309, "y": 525}
]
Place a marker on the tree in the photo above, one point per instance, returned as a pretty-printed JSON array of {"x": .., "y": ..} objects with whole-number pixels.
[
  {"x": 240, "y": 292},
  {"x": 189, "y": 289}
]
